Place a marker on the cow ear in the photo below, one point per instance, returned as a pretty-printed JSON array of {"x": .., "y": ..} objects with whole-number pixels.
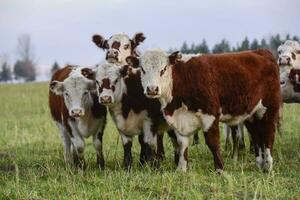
[
  {"x": 133, "y": 61},
  {"x": 137, "y": 39},
  {"x": 100, "y": 41},
  {"x": 175, "y": 57},
  {"x": 57, "y": 87},
  {"x": 124, "y": 71},
  {"x": 297, "y": 51},
  {"x": 88, "y": 73}
]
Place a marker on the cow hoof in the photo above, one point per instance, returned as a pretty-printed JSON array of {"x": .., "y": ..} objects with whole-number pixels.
[
  {"x": 259, "y": 162},
  {"x": 219, "y": 171},
  {"x": 267, "y": 165}
]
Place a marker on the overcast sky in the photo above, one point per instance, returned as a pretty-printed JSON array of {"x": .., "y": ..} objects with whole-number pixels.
[{"x": 61, "y": 29}]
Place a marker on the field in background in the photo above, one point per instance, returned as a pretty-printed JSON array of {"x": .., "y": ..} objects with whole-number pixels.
[{"x": 32, "y": 166}]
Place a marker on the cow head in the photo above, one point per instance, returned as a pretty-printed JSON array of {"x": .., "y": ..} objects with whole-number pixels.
[
  {"x": 288, "y": 55},
  {"x": 119, "y": 46},
  {"x": 110, "y": 83},
  {"x": 76, "y": 90},
  {"x": 156, "y": 71}
]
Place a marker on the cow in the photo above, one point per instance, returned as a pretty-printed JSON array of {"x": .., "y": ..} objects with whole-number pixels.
[
  {"x": 288, "y": 59},
  {"x": 132, "y": 112},
  {"x": 230, "y": 88},
  {"x": 75, "y": 108}
]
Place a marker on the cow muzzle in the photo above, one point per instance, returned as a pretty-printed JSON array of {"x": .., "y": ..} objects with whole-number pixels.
[
  {"x": 77, "y": 112},
  {"x": 105, "y": 99},
  {"x": 284, "y": 60},
  {"x": 152, "y": 91},
  {"x": 112, "y": 55}
]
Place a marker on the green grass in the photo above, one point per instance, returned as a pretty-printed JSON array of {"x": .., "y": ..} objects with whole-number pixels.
[{"x": 32, "y": 166}]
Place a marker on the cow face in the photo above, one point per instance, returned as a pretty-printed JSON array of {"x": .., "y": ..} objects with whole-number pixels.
[
  {"x": 76, "y": 90},
  {"x": 110, "y": 83},
  {"x": 156, "y": 73},
  {"x": 118, "y": 47},
  {"x": 288, "y": 55}
]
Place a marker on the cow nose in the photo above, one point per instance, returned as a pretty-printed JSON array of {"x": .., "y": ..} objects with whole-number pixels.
[
  {"x": 115, "y": 53},
  {"x": 106, "y": 99},
  {"x": 152, "y": 90},
  {"x": 76, "y": 112}
]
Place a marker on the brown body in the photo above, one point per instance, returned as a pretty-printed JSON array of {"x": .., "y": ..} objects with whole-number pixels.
[{"x": 230, "y": 84}]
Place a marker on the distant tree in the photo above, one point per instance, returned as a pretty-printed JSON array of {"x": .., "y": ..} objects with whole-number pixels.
[
  {"x": 263, "y": 44},
  {"x": 274, "y": 42},
  {"x": 54, "y": 67},
  {"x": 245, "y": 45},
  {"x": 222, "y": 47},
  {"x": 25, "y": 65},
  {"x": 296, "y": 38},
  {"x": 24, "y": 69},
  {"x": 254, "y": 44},
  {"x": 184, "y": 48},
  {"x": 202, "y": 48},
  {"x": 6, "y": 74}
]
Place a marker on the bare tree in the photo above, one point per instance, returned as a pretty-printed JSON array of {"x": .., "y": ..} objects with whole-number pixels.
[{"x": 25, "y": 65}]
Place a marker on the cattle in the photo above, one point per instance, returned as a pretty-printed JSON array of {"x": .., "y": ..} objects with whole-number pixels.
[
  {"x": 230, "y": 88},
  {"x": 289, "y": 58},
  {"x": 132, "y": 112},
  {"x": 119, "y": 46},
  {"x": 75, "y": 108}
]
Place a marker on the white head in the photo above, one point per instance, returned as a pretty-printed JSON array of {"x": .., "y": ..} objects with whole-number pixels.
[
  {"x": 110, "y": 83},
  {"x": 118, "y": 47},
  {"x": 76, "y": 90},
  {"x": 156, "y": 73},
  {"x": 288, "y": 55}
]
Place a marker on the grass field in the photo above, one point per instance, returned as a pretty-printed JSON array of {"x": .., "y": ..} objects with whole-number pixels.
[{"x": 32, "y": 166}]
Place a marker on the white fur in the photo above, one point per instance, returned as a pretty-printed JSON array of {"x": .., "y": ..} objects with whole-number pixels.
[
  {"x": 183, "y": 142},
  {"x": 268, "y": 160},
  {"x": 187, "y": 57},
  {"x": 288, "y": 93},
  {"x": 259, "y": 110},
  {"x": 259, "y": 159}
]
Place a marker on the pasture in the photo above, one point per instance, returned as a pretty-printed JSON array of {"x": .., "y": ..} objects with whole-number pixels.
[{"x": 32, "y": 165}]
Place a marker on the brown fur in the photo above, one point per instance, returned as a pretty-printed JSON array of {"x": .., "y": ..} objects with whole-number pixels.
[
  {"x": 234, "y": 82},
  {"x": 292, "y": 77}
]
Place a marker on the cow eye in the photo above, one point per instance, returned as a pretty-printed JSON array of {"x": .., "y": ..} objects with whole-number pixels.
[
  {"x": 279, "y": 52},
  {"x": 85, "y": 92},
  {"x": 66, "y": 94},
  {"x": 163, "y": 70},
  {"x": 126, "y": 46},
  {"x": 115, "y": 82},
  {"x": 143, "y": 70}
]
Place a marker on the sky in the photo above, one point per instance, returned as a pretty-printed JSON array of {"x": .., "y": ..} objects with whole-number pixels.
[{"x": 61, "y": 30}]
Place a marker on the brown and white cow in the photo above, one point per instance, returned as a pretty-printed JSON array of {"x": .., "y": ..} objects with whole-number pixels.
[
  {"x": 119, "y": 46},
  {"x": 132, "y": 112},
  {"x": 230, "y": 88},
  {"x": 288, "y": 59},
  {"x": 75, "y": 108}
]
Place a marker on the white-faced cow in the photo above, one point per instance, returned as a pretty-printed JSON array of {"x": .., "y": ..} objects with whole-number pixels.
[
  {"x": 231, "y": 88},
  {"x": 132, "y": 112},
  {"x": 75, "y": 108},
  {"x": 119, "y": 46},
  {"x": 288, "y": 59}
]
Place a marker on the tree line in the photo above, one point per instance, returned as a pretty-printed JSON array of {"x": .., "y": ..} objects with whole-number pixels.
[
  {"x": 25, "y": 66},
  {"x": 271, "y": 43}
]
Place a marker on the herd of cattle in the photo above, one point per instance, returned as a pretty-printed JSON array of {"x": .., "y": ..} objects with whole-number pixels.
[{"x": 157, "y": 92}]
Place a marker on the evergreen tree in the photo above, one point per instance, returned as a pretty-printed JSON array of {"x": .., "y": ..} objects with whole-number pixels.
[
  {"x": 54, "y": 67},
  {"x": 24, "y": 69},
  {"x": 202, "y": 48},
  {"x": 263, "y": 44},
  {"x": 254, "y": 44},
  {"x": 184, "y": 48},
  {"x": 221, "y": 47},
  {"x": 5, "y": 74},
  {"x": 245, "y": 45}
]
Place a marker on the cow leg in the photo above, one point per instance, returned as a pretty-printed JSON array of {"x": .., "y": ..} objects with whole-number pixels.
[
  {"x": 196, "y": 138},
  {"x": 160, "y": 146},
  {"x": 78, "y": 151},
  {"x": 183, "y": 142},
  {"x": 241, "y": 136},
  {"x": 65, "y": 136},
  {"x": 212, "y": 139},
  {"x": 127, "y": 144},
  {"x": 97, "y": 141},
  {"x": 150, "y": 139},
  {"x": 254, "y": 128},
  {"x": 235, "y": 142},
  {"x": 227, "y": 137},
  {"x": 173, "y": 137},
  {"x": 143, "y": 149}
]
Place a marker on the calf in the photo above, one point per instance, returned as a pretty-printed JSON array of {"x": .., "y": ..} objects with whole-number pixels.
[
  {"x": 231, "y": 88},
  {"x": 132, "y": 112},
  {"x": 74, "y": 107},
  {"x": 289, "y": 58}
]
